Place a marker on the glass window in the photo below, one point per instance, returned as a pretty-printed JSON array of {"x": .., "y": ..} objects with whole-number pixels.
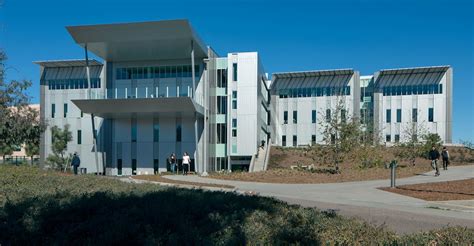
[
  {"x": 234, "y": 132},
  {"x": 156, "y": 132},
  {"x": 328, "y": 115},
  {"x": 234, "y": 94},
  {"x": 285, "y": 117},
  {"x": 79, "y": 137},
  {"x": 65, "y": 110},
  {"x": 313, "y": 139},
  {"x": 440, "y": 89},
  {"x": 343, "y": 115},
  {"x": 283, "y": 140},
  {"x": 156, "y": 72},
  {"x": 178, "y": 133},
  {"x": 313, "y": 116},
  {"x": 234, "y": 123},
  {"x": 397, "y": 138},
  {"x": 134, "y": 166},
  {"x": 134, "y": 130},
  {"x": 162, "y": 72},
  {"x": 414, "y": 115},
  {"x": 295, "y": 140},
  {"x": 234, "y": 72},
  {"x": 388, "y": 138},
  {"x": 234, "y": 104},
  {"x": 430, "y": 114},
  {"x": 399, "y": 115},
  {"x": 119, "y": 166},
  {"x": 179, "y": 71},
  {"x": 388, "y": 116},
  {"x": 295, "y": 117},
  {"x": 53, "y": 110},
  {"x": 173, "y": 72}
]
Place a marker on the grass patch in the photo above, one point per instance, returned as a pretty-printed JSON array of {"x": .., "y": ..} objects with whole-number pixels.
[
  {"x": 161, "y": 179},
  {"x": 45, "y": 208}
]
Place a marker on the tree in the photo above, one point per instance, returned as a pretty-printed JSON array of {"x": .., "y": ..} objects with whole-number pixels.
[
  {"x": 18, "y": 122},
  {"x": 431, "y": 139},
  {"x": 59, "y": 160},
  {"x": 412, "y": 146},
  {"x": 341, "y": 133}
]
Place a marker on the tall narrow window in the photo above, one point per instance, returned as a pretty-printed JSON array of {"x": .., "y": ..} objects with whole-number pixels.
[
  {"x": 295, "y": 117},
  {"x": 234, "y": 132},
  {"x": 82, "y": 114},
  {"x": 234, "y": 104},
  {"x": 399, "y": 115},
  {"x": 313, "y": 116},
  {"x": 414, "y": 115},
  {"x": 65, "y": 110},
  {"x": 285, "y": 117},
  {"x": 328, "y": 115},
  {"x": 234, "y": 123},
  {"x": 156, "y": 132},
  {"x": 431, "y": 114},
  {"x": 388, "y": 116},
  {"x": 388, "y": 138},
  {"x": 119, "y": 166},
  {"x": 313, "y": 139},
  {"x": 397, "y": 138},
  {"x": 234, "y": 72},
  {"x": 134, "y": 130},
  {"x": 295, "y": 140},
  {"x": 134, "y": 166},
  {"x": 343, "y": 115},
  {"x": 156, "y": 165},
  {"x": 53, "y": 110},
  {"x": 178, "y": 133},
  {"x": 283, "y": 140},
  {"x": 79, "y": 137},
  {"x": 234, "y": 94}
]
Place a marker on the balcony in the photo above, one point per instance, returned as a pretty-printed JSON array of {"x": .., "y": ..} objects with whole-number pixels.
[{"x": 125, "y": 102}]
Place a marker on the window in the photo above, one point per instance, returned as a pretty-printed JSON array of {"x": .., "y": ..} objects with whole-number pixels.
[
  {"x": 313, "y": 116},
  {"x": 343, "y": 115},
  {"x": 328, "y": 115},
  {"x": 234, "y": 72},
  {"x": 399, "y": 115},
  {"x": 414, "y": 115},
  {"x": 431, "y": 114},
  {"x": 295, "y": 142},
  {"x": 234, "y": 132},
  {"x": 295, "y": 117},
  {"x": 285, "y": 117},
  {"x": 53, "y": 110},
  {"x": 234, "y": 123},
  {"x": 234, "y": 94},
  {"x": 388, "y": 116},
  {"x": 156, "y": 165},
  {"x": 234, "y": 99},
  {"x": 156, "y": 132},
  {"x": 79, "y": 137},
  {"x": 82, "y": 114},
  {"x": 397, "y": 138},
  {"x": 234, "y": 104},
  {"x": 178, "y": 133},
  {"x": 65, "y": 110},
  {"x": 313, "y": 139},
  {"x": 221, "y": 133},
  {"x": 134, "y": 130},
  {"x": 119, "y": 166},
  {"x": 388, "y": 138},
  {"x": 283, "y": 140}
]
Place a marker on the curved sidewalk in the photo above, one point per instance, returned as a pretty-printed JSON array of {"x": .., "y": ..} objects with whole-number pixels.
[{"x": 362, "y": 199}]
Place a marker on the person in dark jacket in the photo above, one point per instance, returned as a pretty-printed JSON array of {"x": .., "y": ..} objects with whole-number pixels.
[
  {"x": 434, "y": 156},
  {"x": 445, "y": 156},
  {"x": 75, "y": 162},
  {"x": 173, "y": 166}
]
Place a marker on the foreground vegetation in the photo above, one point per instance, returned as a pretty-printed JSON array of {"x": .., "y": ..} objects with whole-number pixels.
[{"x": 47, "y": 208}]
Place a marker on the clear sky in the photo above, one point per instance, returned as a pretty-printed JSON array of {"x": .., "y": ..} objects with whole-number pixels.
[{"x": 366, "y": 35}]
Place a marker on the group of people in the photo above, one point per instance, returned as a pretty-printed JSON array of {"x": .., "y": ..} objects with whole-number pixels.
[
  {"x": 174, "y": 165},
  {"x": 434, "y": 156}
]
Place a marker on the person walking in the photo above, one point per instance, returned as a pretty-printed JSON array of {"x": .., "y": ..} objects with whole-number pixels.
[
  {"x": 186, "y": 163},
  {"x": 172, "y": 160},
  {"x": 445, "y": 156},
  {"x": 434, "y": 156},
  {"x": 75, "y": 162}
]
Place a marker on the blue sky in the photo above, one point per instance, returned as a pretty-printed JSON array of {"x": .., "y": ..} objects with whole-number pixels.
[{"x": 366, "y": 35}]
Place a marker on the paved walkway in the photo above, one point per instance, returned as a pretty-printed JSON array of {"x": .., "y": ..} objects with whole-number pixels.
[{"x": 362, "y": 199}]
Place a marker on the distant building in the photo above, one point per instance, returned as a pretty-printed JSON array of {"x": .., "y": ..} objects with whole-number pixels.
[{"x": 161, "y": 90}]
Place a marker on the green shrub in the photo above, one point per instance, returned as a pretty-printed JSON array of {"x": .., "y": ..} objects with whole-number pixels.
[{"x": 45, "y": 208}]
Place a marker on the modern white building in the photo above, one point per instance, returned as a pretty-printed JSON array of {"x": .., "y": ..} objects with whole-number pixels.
[{"x": 159, "y": 89}]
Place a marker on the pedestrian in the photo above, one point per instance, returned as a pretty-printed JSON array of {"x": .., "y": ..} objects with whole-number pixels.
[
  {"x": 186, "y": 162},
  {"x": 75, "y": 162},
  {"x": 445, "y": 156},
  {"x": 434, "y": 156},
  {"x": 172, "y": 160}
]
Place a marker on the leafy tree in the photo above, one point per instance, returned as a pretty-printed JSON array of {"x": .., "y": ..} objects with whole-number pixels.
[
  {"x": 59, "y": 160},
  {"x": 341, "y": 133},
  {"x": 412, "y": 147},
  {"x": 431, "y": 139},
  {"x": 18, "y": 122}
]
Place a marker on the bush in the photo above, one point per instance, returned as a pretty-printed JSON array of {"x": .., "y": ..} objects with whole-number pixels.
[{"x": 45, "y": 208}]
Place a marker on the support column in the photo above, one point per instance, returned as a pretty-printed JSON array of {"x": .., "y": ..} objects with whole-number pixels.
[
  {"x": 196, "y": 154},
  {"x": 92, "y": 115}
]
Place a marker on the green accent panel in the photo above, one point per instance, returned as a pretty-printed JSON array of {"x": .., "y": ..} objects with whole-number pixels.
[
  {"x": 221, "y": 91},
  {"x": 221, "y": 150},
  {"x": 234, "y": 148},
  {"x": 220, "y": 118},
  {"x": 221, "y": 63}
]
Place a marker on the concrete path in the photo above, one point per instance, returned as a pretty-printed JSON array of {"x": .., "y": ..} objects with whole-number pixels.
[{"x": 363, "y": 200}]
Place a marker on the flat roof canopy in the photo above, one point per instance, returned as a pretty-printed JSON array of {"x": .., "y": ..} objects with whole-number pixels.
[
  {"x": 156, "y": 40},
  {"x": 117, "y": 108}
]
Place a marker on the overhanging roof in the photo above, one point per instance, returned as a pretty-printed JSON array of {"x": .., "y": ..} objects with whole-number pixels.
[
  {"x": 411, "y": 76},
  {"x": 156, "y": 40},
  {"x": 116, "y": 108},
  {"x": 68, "y": 63},
  {"x": 314, "y": 78}
]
